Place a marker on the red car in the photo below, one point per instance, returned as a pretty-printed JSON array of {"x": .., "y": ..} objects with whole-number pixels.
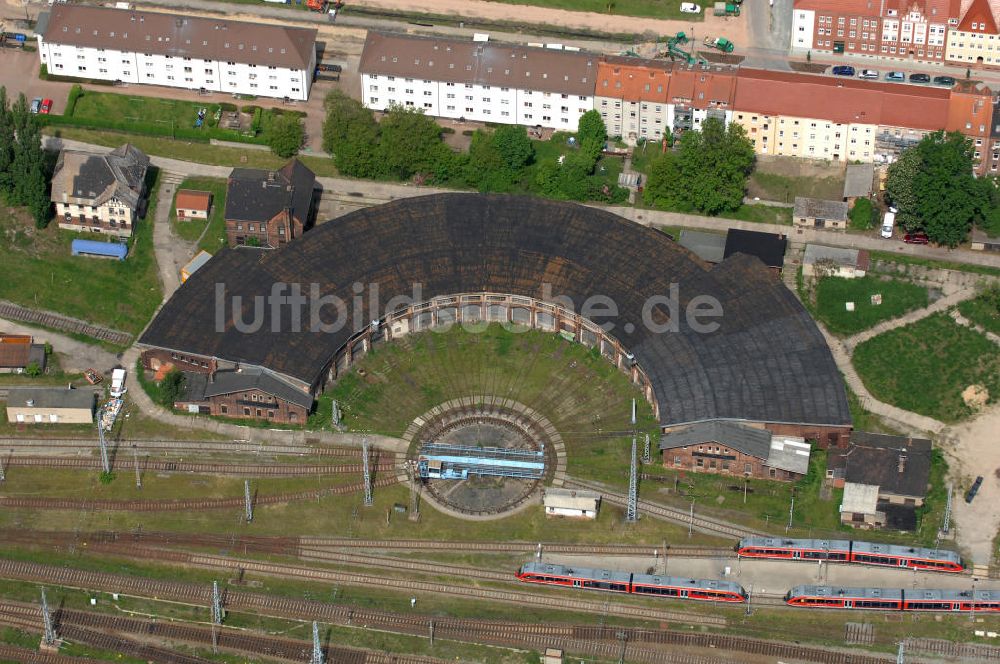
[
  {"x": 46, "y": 106},
  {"x": 916, "y": 238}
]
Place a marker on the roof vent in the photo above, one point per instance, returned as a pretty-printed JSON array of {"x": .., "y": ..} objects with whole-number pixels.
[{"x": 30, "y": 403}]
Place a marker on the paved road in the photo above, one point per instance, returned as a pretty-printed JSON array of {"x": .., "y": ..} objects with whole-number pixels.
[{"x": 74, "y": 356}]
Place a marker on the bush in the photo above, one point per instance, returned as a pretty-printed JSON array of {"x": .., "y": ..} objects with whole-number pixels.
[
  {"x": 33, "y": 369},
  {"x": 171, "y": 388},
  {"x": 107, "y": 478},
  {"x": 447, "y": 130},
  {"x": 227, "y": 107},
  {"x": 74, "y": 93},
  {"x": 863, "y": 215},
  {"x": 250, "y": 109}
]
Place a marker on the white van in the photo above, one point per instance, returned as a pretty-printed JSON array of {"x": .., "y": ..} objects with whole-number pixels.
[
  {"x": 118, "y": 383},
  {"x": 888, "y": 222}
]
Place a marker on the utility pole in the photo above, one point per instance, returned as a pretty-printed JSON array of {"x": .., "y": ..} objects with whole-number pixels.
[
  {"x": 946, "y": 525},
  {"x": 317, "y": 655},
  {"x": 632, "y": 507},
  {"x": 749, "y": 599},
  {"x": 135, "y": 458},
  {"x": 105, "y": 462},
  {"x": 791, "y": 510},
  {"x": 247, "y": 502},
  {"x": 369, "y": 500},
  {"x": 217, "y": 611},
  {"x": 691, "y": 521},
  {"x": 50, "y": 631},
  {"x": 899, "y": 655}
]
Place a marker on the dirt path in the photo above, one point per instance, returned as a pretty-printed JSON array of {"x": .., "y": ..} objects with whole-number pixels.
[{"x": 972, "y": 449}]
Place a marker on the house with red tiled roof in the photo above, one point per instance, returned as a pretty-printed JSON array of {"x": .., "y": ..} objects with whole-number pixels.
[
  {"x": 895, "y": 29},
  {"x": 975, "y": 41}
]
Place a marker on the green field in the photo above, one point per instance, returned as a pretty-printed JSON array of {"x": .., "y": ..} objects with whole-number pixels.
[
  {"x": 194, "y": 230},
  {"x": 40, "y": 273},
  {"x": 898, "y": 297},
  {"x": 94, "y": 105},
  {"x": 584, "y": 396},
  {"x": 784, "y": 188},
  {"x": 983, "y": 310},
  {"x": 925, "y": 366}
]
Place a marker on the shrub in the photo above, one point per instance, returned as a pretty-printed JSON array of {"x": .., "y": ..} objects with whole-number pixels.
[
  {"x": 74, "y": 93},
  {"x": 447, "y": 130},
  {"x": 250, "y": 109},
  {"x": 107, "y": 478},
  {"x": 33, "y": 369},
  {"x": 171, "y": 388},
  {"x": 227, "y": 107}
]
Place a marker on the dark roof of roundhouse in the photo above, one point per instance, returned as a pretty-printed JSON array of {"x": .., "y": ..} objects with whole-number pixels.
[{"x": 767, "y": 361}]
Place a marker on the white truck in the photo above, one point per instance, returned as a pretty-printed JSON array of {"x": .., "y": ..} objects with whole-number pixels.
[
  {"x": 118, "y": 383},
  {"x": 888, "y": 222}
]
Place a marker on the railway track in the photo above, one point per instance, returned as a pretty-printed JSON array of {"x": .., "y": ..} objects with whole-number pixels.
[
  {"x": 197, "y": 447},
  {"x": 166, "y": 466},
  {"x": 605, "y": 641},
  {"x": 53, "y": 321},
  {"x": 658, "y": 511},
  {"x": 12, "y": 502}
]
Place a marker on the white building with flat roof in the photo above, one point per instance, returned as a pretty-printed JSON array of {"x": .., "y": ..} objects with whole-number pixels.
[
  {"x": 176, "y": 51},
  {"x": 571, "y": 503},
  {"x": 478, "y": 80}
]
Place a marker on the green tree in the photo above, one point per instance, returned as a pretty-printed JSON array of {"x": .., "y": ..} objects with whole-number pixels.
[
  {"x": 591, "y": 128},
  {"x": 30, "y": 187},
  {"x": 172, "y": 388},
  {"x": 350, "y": 134},
  {"x": 6, "y": 145},
  {"x": 707, "y": 173},
  {"x": 33, "y": 369},
  {"x": 286, "y": 135},
  {"x": 514, "y": 146},
  {"x": 486, "y": 169},
  {"x": 936, "y": 191},
  {"x": 410, "y": 143}
]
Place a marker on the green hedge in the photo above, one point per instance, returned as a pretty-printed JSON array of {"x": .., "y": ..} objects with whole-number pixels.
[
  {"x": 43, "y": 73},
  {"x": 227, "y": 107},
  {"x": 203, "y": 135},
  {"x": 74, "y": 94}
]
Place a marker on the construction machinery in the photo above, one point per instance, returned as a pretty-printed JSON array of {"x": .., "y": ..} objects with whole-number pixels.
[
  {"x": 726, "y": 9},
  {"x": 720, "y": 43},
  {"x": 675, "y": 52}
]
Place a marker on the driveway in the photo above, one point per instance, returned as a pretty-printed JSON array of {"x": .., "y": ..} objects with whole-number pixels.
[
  {"x": 972, "y": 450},
  {"x": 74, "y": 356},
  {"x": 19, "y": 74}
]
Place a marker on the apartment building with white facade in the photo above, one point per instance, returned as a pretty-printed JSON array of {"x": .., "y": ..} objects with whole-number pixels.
[
  {"x": 975, "y": 42},
  {"x": 478, "y": 80},
  {"x": 141, "y": 47},
  {"x": 648, "y": 99}
]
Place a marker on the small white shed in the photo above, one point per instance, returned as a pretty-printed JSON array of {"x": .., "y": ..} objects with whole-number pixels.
[{"x": 573, "y": 503}]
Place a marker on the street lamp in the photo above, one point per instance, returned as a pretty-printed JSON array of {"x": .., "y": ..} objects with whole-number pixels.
[{"x": 746, "y": 479}]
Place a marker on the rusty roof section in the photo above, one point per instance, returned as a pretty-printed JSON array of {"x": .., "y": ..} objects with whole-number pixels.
[
  {"x": 181, "y": 36},
  {"x": 190, "y": 199},
  {"x": 634, "y": 79},
  {"x": 970, "y": 109},
  {"x": 482, "y": 63},
  {"x": 842, "y": 101}
]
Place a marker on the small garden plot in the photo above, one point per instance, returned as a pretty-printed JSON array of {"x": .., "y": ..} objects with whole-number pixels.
[
  {"x": 129, "y": 109},
  {"x": 926, "y": 366},
  {"x": 874, "y": 300}
]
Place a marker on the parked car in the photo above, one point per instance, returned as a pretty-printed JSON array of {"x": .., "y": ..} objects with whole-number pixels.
[
  {"x": 944, "y": 80},
  {"x": 869, "y": 74},
  {"x": 916, "y": 238},
  {"x": 690, "y": 8},
  {"x": 920, "y": 78},
  {"x": 843, "y": 70},
  {"x": 974, "y": 489},
  {"x": 36, "y": 104},
  {"x": 888, "y": 223},
  {"x": 895, "y": 77},
  {"x": 46, "y": 106}
]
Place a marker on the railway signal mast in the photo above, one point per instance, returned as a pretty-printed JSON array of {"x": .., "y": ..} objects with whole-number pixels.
[
  {"x": 105, "y": 462},
  {"x": 632, "y": 507},
  {"x": 317, "y": 655},
  {"x": 369, "y": 501},
  {"x": 50, "y": 632},
  {"x": 217, "y": 611},
  {"x": 247, "y": 502}
]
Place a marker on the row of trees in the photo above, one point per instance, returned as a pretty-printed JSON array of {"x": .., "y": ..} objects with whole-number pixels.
[
  {"x": 933, "y": 186},
  {"x": 23, "y": 171},
  {"x": 406, "y": 144},
  {"x": 707, "y": 172}
]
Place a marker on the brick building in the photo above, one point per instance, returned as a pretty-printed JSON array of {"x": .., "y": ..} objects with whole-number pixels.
[
  {"x": 975, "y": 41},
  {"x": 897, "y": 29},
  {"x": 248, "y": 394},
  {"x": 731, "y": 448},
  {"x": 269, "y": 208},
  {"x": 100, "y": 193}
]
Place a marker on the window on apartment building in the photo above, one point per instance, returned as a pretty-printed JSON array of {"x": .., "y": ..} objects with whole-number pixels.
[
  {"x": 149, "y": 76},
  {"x": 468, "y": 109},
  {"x": 409, "y": 91},
  {"x": 450, "y": 108},
  {"x": 273, "y": 87},
  {"x": 81, "y": 69},
  {"x": 428, "y": 93},
  {"x": 427, "y": 104},
  {"x": 232, "y": 73},
  {"x": 505, "y": 113}
]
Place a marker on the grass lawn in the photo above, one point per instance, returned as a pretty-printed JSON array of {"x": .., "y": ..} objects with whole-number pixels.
[
  {"x": 898, "y": 297},
  {"x": 202, "y": 153},
  {"x": 784, "y": 188},
  {"x": 39, "y": 271},
  {"x": 904, "y": 259},
  {"x": 924, "y": 367},
  {"x": 193, "y": 230},
  {"x": 983, "y": 311},
  {"x": 761, "y": 214},
  {"x": 584, "y": 396},
  {"x": 647, "y": 8},
  {"x": 150, "y": 110}
]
